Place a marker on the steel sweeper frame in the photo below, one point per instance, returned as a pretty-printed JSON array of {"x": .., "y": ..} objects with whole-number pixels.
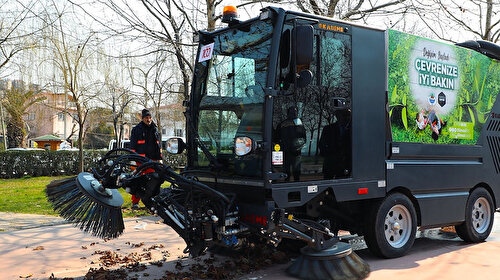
[{"x": 381, "y": 131}]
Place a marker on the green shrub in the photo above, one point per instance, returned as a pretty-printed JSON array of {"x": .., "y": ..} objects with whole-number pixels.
[
  {"x": 19, "y": 164},
  {"x": 175, "y": 161}
]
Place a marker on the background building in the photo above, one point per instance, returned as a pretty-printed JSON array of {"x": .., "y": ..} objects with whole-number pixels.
[{"x": 49, "y": 117}]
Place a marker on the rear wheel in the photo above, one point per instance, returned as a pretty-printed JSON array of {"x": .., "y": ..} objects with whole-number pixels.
[
  {"x": 392, "y": 227},
  {"x": 479, "y": 216}
]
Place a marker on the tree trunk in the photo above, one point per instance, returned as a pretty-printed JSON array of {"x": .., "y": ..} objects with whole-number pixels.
[
  {"x": 117, "y": 134},
  {"x": 15, "y": 134},
  {"x": 211, "y": 15},
  {"x": 158, "y": 118},
  {"x": 487, "y": 27},
  {"x": 120, "y": 135},
  {"x": 81, "y": 123},
  {"x": 80, "y": 147}
]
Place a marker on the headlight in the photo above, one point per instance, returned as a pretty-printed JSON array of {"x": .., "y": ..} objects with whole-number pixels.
[{"x": 243, "y": 145}]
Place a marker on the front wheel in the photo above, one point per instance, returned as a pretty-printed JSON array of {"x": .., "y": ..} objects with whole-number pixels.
[
  {"x": 479, "y": 216},
  {"x": 392, "y": 226}
]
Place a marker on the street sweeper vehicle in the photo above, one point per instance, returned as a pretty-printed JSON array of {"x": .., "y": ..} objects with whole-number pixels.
[{"x": 299, "y": 126}]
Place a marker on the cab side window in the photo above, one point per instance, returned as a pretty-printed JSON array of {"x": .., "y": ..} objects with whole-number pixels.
[{"x": 312, "y": 125}]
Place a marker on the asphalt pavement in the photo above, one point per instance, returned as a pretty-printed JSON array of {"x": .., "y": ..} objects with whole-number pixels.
[{"x": 149, "y": 249}]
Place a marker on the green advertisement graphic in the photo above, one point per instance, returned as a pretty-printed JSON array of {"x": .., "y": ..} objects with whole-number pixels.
[{"x": 438, "y": 93}]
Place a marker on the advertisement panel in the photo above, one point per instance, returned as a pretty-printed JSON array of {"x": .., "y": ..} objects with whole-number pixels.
[{"x": 438, "y": 93}]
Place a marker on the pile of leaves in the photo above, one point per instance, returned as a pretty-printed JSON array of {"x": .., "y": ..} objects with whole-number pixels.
[
  {"x": 228, "y": 264},
  {"x": 232, "y": 265},
  {"x": 109, "y": 258},
  {"x": 133, "y": 261},
  {"x": 105, "y": 274},
  {"x": 238, "y": 263}
]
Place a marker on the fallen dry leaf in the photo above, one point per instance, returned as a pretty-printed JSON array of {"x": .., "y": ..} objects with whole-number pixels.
[
  {"x": 137, "y": 245},
  {"x": 102, "y": 273},
  {"x": 39, "y": 248},
  {"x": 448, "y": 229},
  {"x": 155, "y": 246}
]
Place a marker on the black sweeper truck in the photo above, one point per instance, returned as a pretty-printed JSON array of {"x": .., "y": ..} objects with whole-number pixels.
[{"x": 299, "y": 126}]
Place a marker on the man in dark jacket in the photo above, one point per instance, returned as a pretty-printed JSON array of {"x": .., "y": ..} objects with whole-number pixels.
[
  {"x": 145, "y": 140},
  {"x": 291, "y": 135},
  {"x": 335, "y": 146}
]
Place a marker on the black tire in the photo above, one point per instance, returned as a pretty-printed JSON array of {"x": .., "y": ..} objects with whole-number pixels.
[
  {"x": 392, "y": 227},
  {"x": 479, "y": 216}
]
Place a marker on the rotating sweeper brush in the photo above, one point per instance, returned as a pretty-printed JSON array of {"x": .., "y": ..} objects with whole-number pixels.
[
  {"x": 324, "y": 257},
  {"x": 83, "y": 201},
  {"x": 337, "y": 262},
  {"x": 201, "y": 214}
]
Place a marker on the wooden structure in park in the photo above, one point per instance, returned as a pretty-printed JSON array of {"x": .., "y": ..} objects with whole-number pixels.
[{"x": 48, "y": 142}]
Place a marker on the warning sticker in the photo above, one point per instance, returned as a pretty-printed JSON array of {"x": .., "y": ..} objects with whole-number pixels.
[
  {"x": 277, "y": 158},
  {"x": 277, "y": 147},
  {"x": 206, "y": 52}
]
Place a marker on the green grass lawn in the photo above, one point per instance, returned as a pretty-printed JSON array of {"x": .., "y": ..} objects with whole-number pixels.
[{"x": 27, "y": 195}]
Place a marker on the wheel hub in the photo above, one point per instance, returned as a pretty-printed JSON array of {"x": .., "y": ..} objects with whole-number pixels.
[
  {"x": 397, "y": 226},
  {"x": 481, "y": 215}
]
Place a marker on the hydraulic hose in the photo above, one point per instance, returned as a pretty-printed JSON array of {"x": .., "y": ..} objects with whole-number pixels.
[{"x": 168, "y": 172}]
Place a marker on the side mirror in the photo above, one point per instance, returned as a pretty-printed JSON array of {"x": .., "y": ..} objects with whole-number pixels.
[
  {"x": 303, "y": 37},
  {"x": 243, "y": 145},
  {"x": 296, "y": 52},
  {"x": 175, "y": 146}
]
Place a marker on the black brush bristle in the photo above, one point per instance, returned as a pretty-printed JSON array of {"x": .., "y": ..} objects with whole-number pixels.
[
  {"x": 88, "y": 213},
  {"x": 338, "y": 262}
]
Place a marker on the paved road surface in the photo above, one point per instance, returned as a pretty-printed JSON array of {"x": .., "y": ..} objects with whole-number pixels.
[
  {"x": 15, "y": 221},
  {"x": 66, "y": 252}
]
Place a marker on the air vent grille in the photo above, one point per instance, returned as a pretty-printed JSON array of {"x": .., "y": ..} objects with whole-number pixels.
[
  {"x": 494, "y": 125},
  {"x": 494, "y": 144}
]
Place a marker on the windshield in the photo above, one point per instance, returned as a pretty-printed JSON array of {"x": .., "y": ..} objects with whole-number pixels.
[{"x": 229, "y": 95}]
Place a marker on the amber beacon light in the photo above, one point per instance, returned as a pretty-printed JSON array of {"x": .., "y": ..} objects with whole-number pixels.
[{"x": 229, "y": 14}]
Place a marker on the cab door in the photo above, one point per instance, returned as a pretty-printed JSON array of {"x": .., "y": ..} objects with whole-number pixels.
[{"x": 312, "y": 125}]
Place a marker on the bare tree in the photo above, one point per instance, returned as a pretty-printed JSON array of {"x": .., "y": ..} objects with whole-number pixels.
[
  {"x": 14, "y": 36},
  {"x": 351, "y": 10},
  {"x": 153, "y": 82},
  {"x": 481, "y": 18},
  {"x": 72, "y": 55},
  {"x": 116, "y": 96},
  {"x": 118, "y": 99},
  {"x": 166, "y": 28}
]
